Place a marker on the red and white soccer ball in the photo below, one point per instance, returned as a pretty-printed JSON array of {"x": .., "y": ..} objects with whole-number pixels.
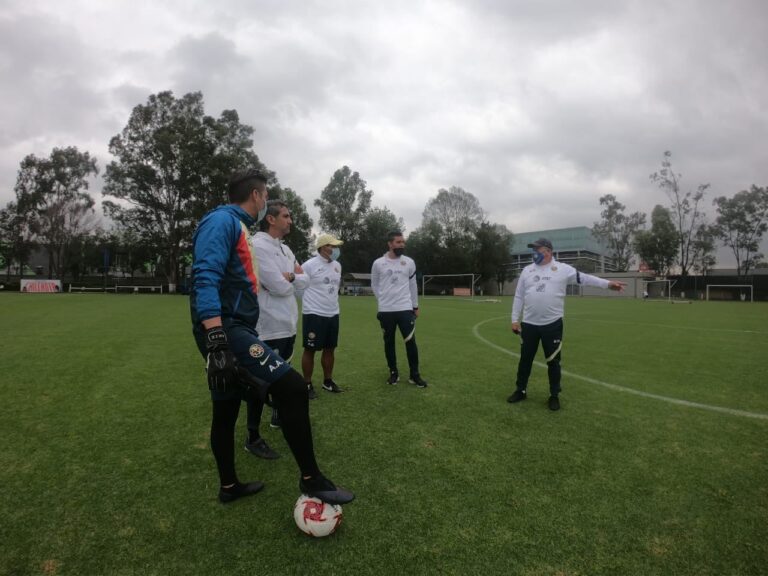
[{"x": 315, "y": 517}]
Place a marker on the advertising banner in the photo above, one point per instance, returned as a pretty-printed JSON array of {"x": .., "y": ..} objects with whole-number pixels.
[{"x": 40, "y": 285}]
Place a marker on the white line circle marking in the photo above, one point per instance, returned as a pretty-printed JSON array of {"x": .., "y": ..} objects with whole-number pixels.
[{"x": 616, "y": 387}]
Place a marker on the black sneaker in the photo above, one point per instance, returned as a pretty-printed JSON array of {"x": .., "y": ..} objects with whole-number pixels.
[
  {"x": 322, "y": 488},
  {"x": 331, "y": 386},
  {"x": 260, "y": 448},
  {"x": 394, "y": 377},
  {"x": 311, "y": 391},
  {"x": 418, "y": 380},
  {"x": 518, "y": 396},
  {"x": 554, "y": 403},
  {"x": 227, "y": 495},
  {"x": 275, "y": 421}
]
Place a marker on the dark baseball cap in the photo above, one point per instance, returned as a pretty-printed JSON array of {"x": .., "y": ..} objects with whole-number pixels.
[{"x": 541, "y": 243}]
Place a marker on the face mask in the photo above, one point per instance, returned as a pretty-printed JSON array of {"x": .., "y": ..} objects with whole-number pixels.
[
  {"x": 538, "y": 257},
  {"x": 398, "y": 251},
  {"x": 262, "y": 213},
  {"x": 335, "y": 253}
]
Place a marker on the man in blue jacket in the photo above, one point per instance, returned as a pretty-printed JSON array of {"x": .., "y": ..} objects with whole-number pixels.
[{"x": 225, "y": 310}]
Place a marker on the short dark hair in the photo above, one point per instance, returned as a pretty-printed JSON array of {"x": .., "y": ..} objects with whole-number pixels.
[
  {"x": 242, "y": 183},
  {"x": 393, "y": 234},
  {"x": 273, "y": 209}
]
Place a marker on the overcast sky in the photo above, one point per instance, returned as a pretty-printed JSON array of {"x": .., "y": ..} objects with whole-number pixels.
[{"x": 537, "y": 108}]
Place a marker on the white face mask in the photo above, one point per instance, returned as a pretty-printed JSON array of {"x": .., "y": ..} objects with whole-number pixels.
[
  {"x": 335, "y": 253},
  {"x": 262, "y": 212}
]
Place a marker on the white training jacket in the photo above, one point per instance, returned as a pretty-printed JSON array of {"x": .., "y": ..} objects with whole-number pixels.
[
  {"x": 278, "y": 311},
  {"x": 393, "y": 281},
  {"x": 321, "y": 296},
  {"x": 540, "y": 293}
]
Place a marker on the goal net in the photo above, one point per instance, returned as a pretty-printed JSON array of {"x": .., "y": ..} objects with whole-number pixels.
[
  {"x": 730, "y": 292},
  {"x": 658, "y": 290},
  {"x": 130, "y": 289},
  {"x": 442, "y": 285}
]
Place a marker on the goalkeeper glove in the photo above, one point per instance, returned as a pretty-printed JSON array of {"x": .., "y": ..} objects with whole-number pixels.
[{"x": 221, "y": 364}]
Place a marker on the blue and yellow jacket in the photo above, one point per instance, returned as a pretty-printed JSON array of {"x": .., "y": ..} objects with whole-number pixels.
[{"x": 225, "y": 273}]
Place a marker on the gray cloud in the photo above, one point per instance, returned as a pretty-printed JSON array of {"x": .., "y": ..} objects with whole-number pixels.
[{"x": 537, "y": 108}]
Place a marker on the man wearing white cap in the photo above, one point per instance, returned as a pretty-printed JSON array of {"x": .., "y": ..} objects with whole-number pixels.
[{"x": 320, "y": 311}]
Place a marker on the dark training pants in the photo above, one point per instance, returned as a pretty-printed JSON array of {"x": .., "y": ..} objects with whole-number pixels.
[
  {"x": 406, "y": 321},
  {"x": 550, "y": 337},
  {"x": 285, "y": 385},
  {"x": 290, "y": 392}
]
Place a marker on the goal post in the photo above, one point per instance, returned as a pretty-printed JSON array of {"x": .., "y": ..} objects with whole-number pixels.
[
  {"x": 439, "y": 285},
  {"x": 729, "y": 292},
  {"x": 658, "y": 290}
]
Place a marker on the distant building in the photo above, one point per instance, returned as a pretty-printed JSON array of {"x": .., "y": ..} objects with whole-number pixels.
[
  {"x": 357, "y": 284},
  {"x": 575, "y": 246}
]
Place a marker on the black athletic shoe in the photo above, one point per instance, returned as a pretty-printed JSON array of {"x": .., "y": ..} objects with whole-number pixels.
[
  {"x": 554, "y": 403},
  {"x": 322, "y": 488},
  {"x": 311, "y": 391},
  {"x": 275, "y": 421},
  {"x": 418, "y": 380},
  {"x": 331, "y": 386},
  {"x": 227, "y": 495},
  {"x": 518, "y": 396},
  {"x": 260, "y": 448},
  {"x": 394, "y": 377}
]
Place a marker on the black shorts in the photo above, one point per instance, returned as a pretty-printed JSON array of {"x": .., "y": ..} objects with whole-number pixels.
[{"x": 320, "y": 332}]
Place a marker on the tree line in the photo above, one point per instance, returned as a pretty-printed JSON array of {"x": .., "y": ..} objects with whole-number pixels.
[
  {"x": 680, "y": 238},
  {"x": 171, "y": 163},
  {"x": 454, "y": 237}
]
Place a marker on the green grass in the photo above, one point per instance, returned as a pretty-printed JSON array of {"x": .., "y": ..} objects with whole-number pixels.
[{"x": 105, "y": 466}]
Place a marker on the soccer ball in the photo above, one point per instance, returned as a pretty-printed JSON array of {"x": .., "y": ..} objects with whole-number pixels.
[{"x": 315, "y": 517}]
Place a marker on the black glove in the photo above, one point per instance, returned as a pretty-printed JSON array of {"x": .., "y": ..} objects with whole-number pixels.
[{"x": 221, "y": 364}]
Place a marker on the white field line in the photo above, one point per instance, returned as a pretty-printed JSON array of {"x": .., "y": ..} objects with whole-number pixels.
[
  {"x": 616, "y": 387},
  {"x": 582, "y": 316}
]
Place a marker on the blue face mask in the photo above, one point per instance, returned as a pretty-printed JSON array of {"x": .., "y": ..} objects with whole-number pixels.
[
  {"x": 335, "y": 253},
  {"x": 538, "y": 257}
]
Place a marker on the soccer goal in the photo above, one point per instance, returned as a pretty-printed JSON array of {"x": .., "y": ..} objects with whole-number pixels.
[
  {"x": 131, "y": 289},
  {"x": 440, "y": 285},
  {"x": 730, "y": 292},
  {"x": 658, "y": 290}
]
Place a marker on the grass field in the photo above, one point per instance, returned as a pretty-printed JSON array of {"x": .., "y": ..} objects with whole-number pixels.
[{"x": 105, "y": 466}]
